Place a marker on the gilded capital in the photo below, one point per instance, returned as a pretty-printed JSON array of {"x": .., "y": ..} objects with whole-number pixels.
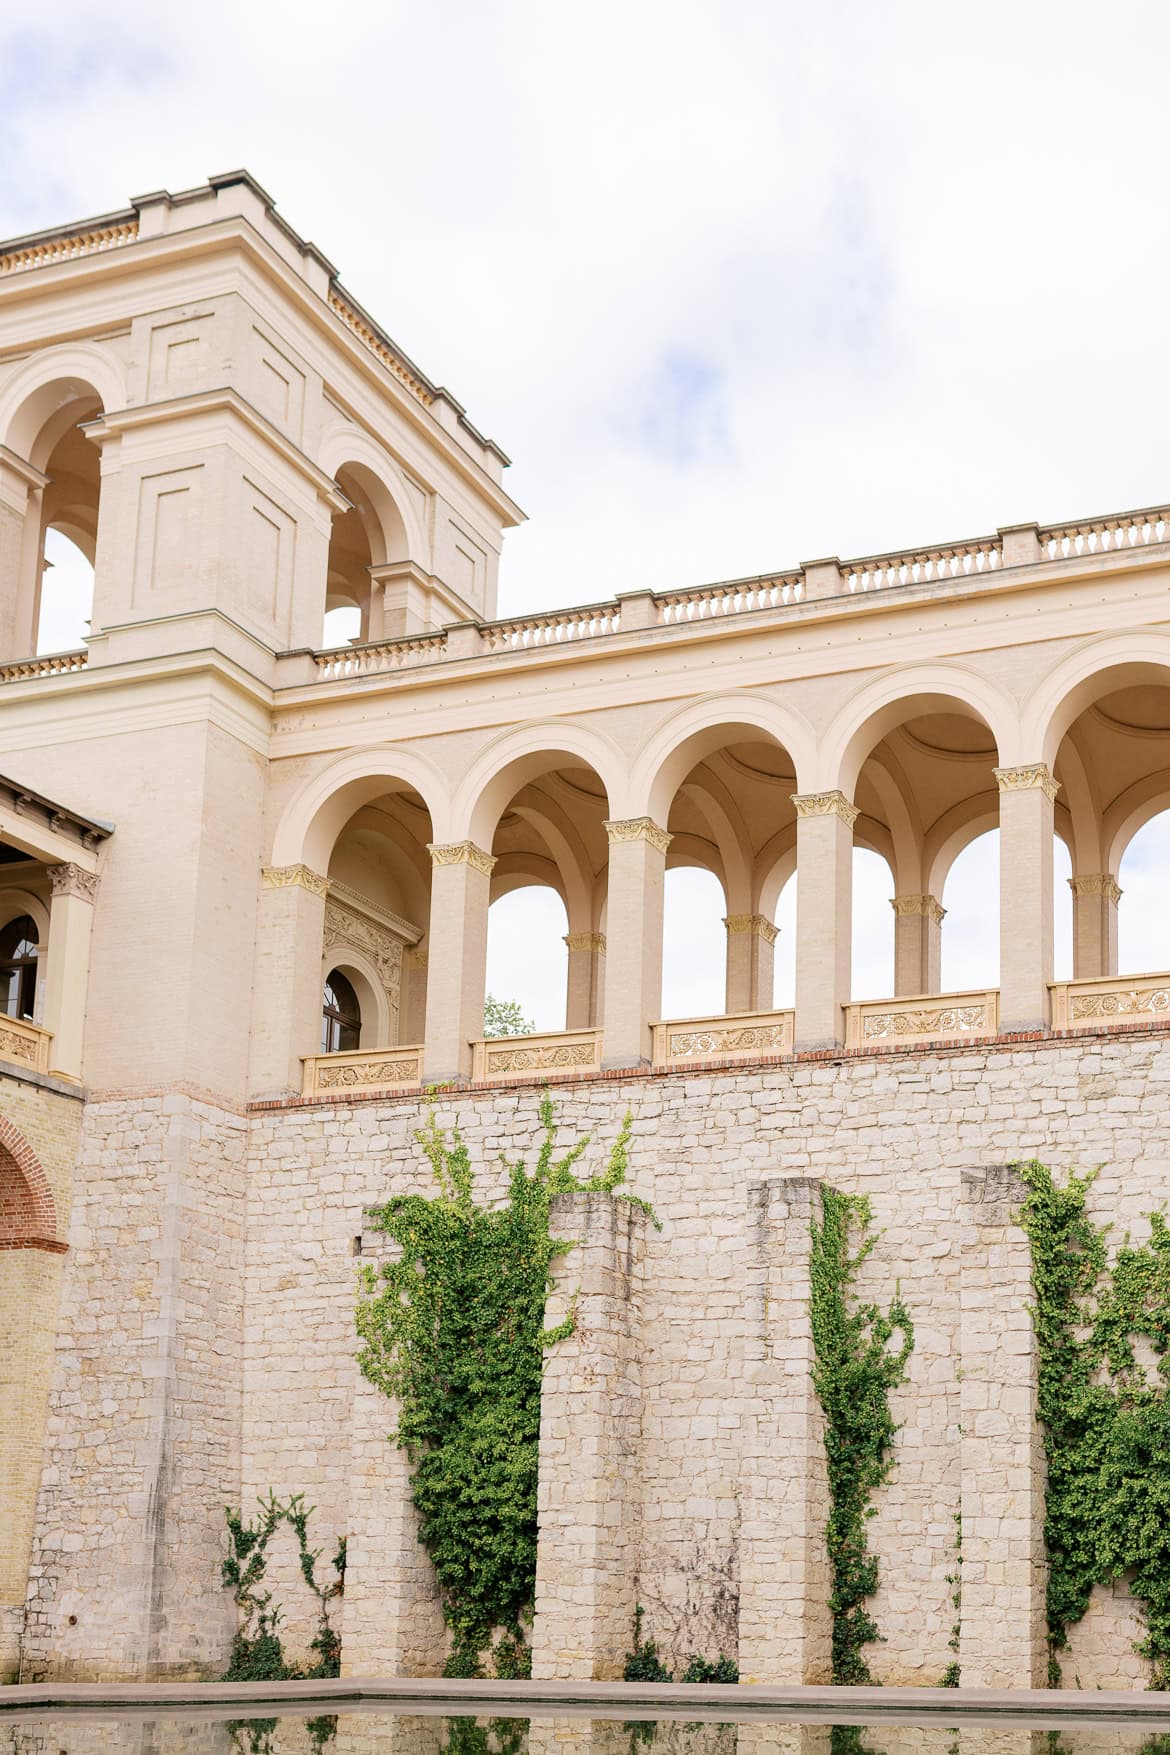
[
  {"x": 929, "y": 906},
  {"x": 758, "y": 925},
  {"x": 74, "y": 880},
  {"x": 462, "y": 853},
  {"x": 586, "y": 941},
  {"x": 638, "y": 829},
  {"x": 1036, "y": 777},
  {"x": 1099, "y": 883},
  {"x": 294, "y": 877},
  {"x": 825, "y": 804}
]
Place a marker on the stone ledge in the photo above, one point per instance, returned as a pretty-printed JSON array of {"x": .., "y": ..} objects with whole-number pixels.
[
  {"x": 25, "y": 1075},
  {"x": 939, "y": 1048}
]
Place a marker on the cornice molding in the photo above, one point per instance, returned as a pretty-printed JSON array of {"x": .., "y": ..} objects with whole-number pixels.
[{"x": 294, "y": 877}]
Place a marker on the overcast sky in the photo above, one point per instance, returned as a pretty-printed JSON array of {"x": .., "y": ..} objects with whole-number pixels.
[{"x": 734, "y": 284}]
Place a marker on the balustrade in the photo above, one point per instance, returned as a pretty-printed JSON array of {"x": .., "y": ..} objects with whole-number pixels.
[
  {"x": 947, "y": 1017},
  {"x": 1117, "y": 999},
  {"x": 555, "y": 1051},
  {"x": 1119, "y": 530},
  {"x": 743, "y": 1036},
  {"x": 362, "y": 1072},
  {"x": 25, "y": 1045},
  {"x": 56, "y": 664}
]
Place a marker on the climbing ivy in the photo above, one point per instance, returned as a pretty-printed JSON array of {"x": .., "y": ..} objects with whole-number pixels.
[
  {"x": 257, "y": 1651},
  {"x": 1104, "y": 1410},
  {"x": 853, "y": 1374},
  {"x": 951, "y": 1675},
  {"x": 453, "y": 1329}
]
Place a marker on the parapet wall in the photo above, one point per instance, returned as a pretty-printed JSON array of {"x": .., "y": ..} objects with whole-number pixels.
[{"x": 701, "y": 1466}]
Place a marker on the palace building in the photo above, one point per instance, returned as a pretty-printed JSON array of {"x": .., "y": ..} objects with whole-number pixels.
[{"x": 245, "y": 875}]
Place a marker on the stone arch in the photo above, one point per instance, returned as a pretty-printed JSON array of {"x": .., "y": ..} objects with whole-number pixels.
[
  {"x": 315, "y": 816},
  {"x": 514, "y": 759},
  {"x": 28, "y": 1213},
  {"x": 377, "y": 1026},
  {"x": 14, "y": 903},
  {"x": 33, "y": 395},
  {"x": 1130, "y": 812},
  {"x": 879, "y": 706},
  {"x": 347, "y": 447},
  {"x": 1096, "y": 669},
  {"x": 684, "y": 739}
]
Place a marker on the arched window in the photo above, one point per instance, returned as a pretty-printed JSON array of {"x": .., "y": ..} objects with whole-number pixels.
[
  {"x": 18, "y": 967},
  {"x": 341, "y": 1016}
]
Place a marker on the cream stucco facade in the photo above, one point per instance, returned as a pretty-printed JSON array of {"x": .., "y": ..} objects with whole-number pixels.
[{"x": 206, "y": 812}]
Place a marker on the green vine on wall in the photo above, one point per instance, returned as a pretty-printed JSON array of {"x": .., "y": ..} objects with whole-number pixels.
[
  {"x": 453, "y": 1329},
  {"x": 1104, "y": 1409},
  {"x": 853, "y": 1374},
  {"x": 257, "y": 1650}
]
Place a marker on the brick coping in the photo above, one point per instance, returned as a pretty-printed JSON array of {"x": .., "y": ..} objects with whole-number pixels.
[
  {"x": 585, "y": 1077},
  {"x": 1024, "y": 1706}
]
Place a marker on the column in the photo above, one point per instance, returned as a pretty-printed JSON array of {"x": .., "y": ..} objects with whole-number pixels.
[
  {"x": 1001, "y": 1452},
  {"x": 751, "y": 953},
  {"x": 457, "y": 959},
  {"x": 1026, "y": 798},
  {"x": 1095, "y": 899},
  {"x": 785, "y": 1629},
  {"x": 590, "y": 1424},
  {"x": 21, "y": 496},
  {"x": 633, "y": 975},
  {"x": 286, "y": 1003},
  {"x": 67, "y": 975},
  {"x": 824, "y": 916},
  {"x": 586, "y": 980},
  {"x": 917, "y": 945}
]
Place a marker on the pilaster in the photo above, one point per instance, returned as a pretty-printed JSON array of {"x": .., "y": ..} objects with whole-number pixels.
[
  {"x": 67, "y": 974},
  {"x": 785, "y": 1629},
  {"x": 1026, "y": 798},
  {"x": 824, "y": 909},
  {"x": 286, "y": 1005},
  {"x": 590, "y": 1427},
  {"x": 633, "y": 977}
]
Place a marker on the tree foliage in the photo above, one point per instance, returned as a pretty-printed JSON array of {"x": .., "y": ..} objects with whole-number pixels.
[
  {"x": 853, "y": 1374},
  {"x": 453, "y": 1329},
  {"x": 1103, "y": 1335},
  {"x": 505, "y": 1017}
]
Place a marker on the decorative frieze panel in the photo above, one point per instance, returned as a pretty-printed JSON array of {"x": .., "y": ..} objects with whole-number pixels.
[
  {"x": 1120, "y": 999},
  {"x": 365, "y": 1072},
  {"x": 24, "y": 1044},
  {"x": 294, "y": 877},
  {"x": 560, "y": 1051},
  {"x": 745, "y": 1036},
  {"x": 941, "y": 1018}
]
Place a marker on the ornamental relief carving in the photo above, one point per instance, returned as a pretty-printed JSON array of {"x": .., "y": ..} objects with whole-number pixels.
[
  {"x": 586, "y": 941},
  {"x": 348, "y": 929},
  {"x": 74, "y": 880},
  {"x": 1035, "y": 777},
  {"x": 462, "y": 853},
  {"x": 825, "y": 804},
  {"x": 638, "y": 829},
  {"x": 294, "y": 877},
  {"x": 1096, "y": 884},
  {"x": 920, "y": 905},
  {"x": 758, "y": 925}
]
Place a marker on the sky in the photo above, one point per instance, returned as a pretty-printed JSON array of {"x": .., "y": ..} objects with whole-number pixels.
[{"x": 735, "y": 285}]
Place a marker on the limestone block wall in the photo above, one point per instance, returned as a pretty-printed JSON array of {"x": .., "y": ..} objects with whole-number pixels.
[
  {"x": 910, "y": 1130},
  {"x": 45, "y": 1122},
  {"x": 142, "y": 1439}
]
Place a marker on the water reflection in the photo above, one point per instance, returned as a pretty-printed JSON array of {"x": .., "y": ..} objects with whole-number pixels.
[{"x": 371, "y": 1731}]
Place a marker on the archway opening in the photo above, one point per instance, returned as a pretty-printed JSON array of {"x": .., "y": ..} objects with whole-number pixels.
[
  {"x": 546, "y": 941},
  {"x": 694, "y": 943},
  {"x": 19, "y": 954},
  {"x": 873, "y": 926},
  {"x": 367, "y": 535},
  {"x": 66, "y": 604},
  {"x": 1143, "y": 922}
]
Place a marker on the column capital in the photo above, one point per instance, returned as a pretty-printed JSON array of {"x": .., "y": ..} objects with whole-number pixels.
[
  {"x": 825, "y": 804},
  {"x": 294, "y": 877},
  {"x": 929, "y": 906},
  {"x": 74, "y": 880},
  {"x": 1033, "y": 777},
  {"x": 586, "y": 941},
  {"x": 1100, "y": 883},
  {"x": 758, "y": 925},
  {"x": 462, "y": 853},
  {"x": 638, "y": 829}
]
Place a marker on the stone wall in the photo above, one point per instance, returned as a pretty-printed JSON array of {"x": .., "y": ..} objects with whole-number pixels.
[{"x": 246, "y": 1364}]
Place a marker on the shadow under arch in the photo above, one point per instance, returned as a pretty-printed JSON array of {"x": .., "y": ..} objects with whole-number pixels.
[
  {"x": 516, "y": 759},
  {"x": 882, "y": 706},
  {"x": 688, "y": 736},
  {"x": 313, "y": 819},
  {"x": 1101, "y": 667}
]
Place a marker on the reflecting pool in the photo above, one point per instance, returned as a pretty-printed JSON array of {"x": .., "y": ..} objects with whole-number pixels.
[{"x": 370, "y": 1730}]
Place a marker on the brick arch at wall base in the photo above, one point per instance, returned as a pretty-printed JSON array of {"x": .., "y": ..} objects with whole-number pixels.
[{"x": 28, "y": 1215}]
